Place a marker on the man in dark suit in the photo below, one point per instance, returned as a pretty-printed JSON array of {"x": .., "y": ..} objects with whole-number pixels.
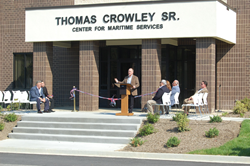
[
  {"x": 36, "y": 94},
  {"x": 134, "y": 81},
  {"x": 51, "y": 100},
  {"x": 158, "y": 96}
]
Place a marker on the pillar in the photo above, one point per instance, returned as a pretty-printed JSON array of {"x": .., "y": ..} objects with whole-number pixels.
[
  {"x": 89, "y": 75},
  {"x": 42, "y": 64},
  {"x": 205, "y": 67},
  {"x": 151, "y": 67}
]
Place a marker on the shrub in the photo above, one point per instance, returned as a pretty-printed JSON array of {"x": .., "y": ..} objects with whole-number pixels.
[
  {"x": 212, "y": 133},
  {"x": 15, "y": 106},
  {"x": 246, "y": 102},
  {"x": 1, "y": 126},
  {"x": 173, "y": 142},
  {"x": 8, "y": 108},
  {"x": 242, "y": 115},
  {"x": 152, "y": 118},
  {"x": 11, "y": 117},
  {"x": 225, "y": 114},
  {"x": 147, "y": 130},
  {"x": 177, "y": 117},
  {"x": 136, "y": 142},
  {"x": 239, "y": 108},
  {"x": 183, "y": 123},
  {"x": 215, "y": 119},
  {"x": 1, "y": 108}
]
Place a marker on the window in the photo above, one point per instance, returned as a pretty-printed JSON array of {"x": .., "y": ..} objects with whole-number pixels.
[{"x": 23, "y": 70}]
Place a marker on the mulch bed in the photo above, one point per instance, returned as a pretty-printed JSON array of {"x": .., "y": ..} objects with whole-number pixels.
[
  {"x": 8, "y": 127},
  {"x": 231, "y": 114},
  {"x": 190, "y": 140}
]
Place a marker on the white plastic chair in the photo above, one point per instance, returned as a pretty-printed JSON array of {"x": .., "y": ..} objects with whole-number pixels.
[
  {"x": 24, "y": 97},
  {"x": 176, "y": 100},
  {"x": 166, "y": 101},
  {"x": 16, "y": 97},
  {"x": 205, "y": 103},
  {"x": 197, "y": 101},
  {"x": 31, "y": 102},
  {"x": 7, "y": 97}
]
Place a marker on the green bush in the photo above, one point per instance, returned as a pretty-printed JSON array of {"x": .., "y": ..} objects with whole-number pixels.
[
  {"x": 173, "y": 142},
  {"x": 8, "y": 108},
  {"x": 225, "y": 114},
  {"x": 136, "y": 142},
  {"x": 1, "y": 126},
  {"x": 177, "y": 117},
  {"x": 215, "y": 119},
  {"x": 15, "y": 106},
  {"x": 246, "y": 102},
  {"x": 11, "y": 117},
  {"x": 153, "y": 118},
  {"x": 242, "y": 115},
  {"x": 183, "y": 123},
  {"x": 212, "y": 133},
  {"x": 239, "y": 108},
  {"x": 147, "y": 130},
  {"x": 1, "y": 108}
]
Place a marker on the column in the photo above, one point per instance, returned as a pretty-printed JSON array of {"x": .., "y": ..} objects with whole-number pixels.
[
  {"x": 42, "y": 64},
  {"x": 151, "y": 67},
  {"x": 88, "y": 75},
  {"x": 205, "y": 67}
]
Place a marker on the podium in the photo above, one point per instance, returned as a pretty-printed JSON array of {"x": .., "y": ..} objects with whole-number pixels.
[{"x": 124, "y": 92}]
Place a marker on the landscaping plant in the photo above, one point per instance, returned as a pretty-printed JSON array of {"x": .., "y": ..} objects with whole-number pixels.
[
  {"x": 10, "y": 117},
  {"x": 173, "y": 142},
  {"x": 153, "y": 118},
  {"x": 239, "y": 108},
  {"x": 8, "y": 108},
  {"x": 177, "y": 117},
  {"x": 183, "y": 123},
  {"x": 246, "y": 102},
  {"x": 225, "y": 114},
  {"x": 242, "y": 115},
  {"x": 1, "y": 126},
  {"x": 215, "y": 119},
  {"x": 136, "y": 142},
  {"x": 212, "y": 133},
  {"x": 147, "y": 130}
]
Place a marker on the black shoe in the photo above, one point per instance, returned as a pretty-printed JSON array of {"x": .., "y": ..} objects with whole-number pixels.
[
  {"x": 39, "y": 112},
  {"x": 46, "y": 112},
  {"x": 167, "y": 112}
]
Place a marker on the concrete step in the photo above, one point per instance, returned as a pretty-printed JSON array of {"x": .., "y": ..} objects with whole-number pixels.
[
  {"x": 83, "y": 119},
  {"x": 80, "y": 132},
  {"x": 71, "y": 138},
  {"x": 104, "y": 126}
]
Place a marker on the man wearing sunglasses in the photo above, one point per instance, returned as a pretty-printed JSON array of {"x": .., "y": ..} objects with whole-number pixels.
[{"x": 190, "y": 100}]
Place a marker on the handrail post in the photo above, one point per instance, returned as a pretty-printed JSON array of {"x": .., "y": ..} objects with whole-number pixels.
[{"x": 74, "y": 101}]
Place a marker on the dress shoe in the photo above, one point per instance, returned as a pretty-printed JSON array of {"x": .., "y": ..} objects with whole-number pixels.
[
  {"x": 46, "y": 112},
  {"x": 39, "y": 112}
]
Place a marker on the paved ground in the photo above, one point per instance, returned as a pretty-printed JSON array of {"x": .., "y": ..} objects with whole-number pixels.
[{"x": 40, "y": 160}]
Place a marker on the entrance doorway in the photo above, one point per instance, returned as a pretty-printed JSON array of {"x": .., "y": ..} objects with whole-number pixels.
[
  {"x": 114, "y": 63},
  {"x": 178, "y": 63}
]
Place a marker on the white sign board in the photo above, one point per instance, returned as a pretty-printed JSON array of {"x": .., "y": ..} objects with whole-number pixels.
[{"x": 132, "y": 21}]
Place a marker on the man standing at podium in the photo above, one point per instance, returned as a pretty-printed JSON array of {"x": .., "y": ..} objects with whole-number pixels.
[{"x": 134, "y": 81}]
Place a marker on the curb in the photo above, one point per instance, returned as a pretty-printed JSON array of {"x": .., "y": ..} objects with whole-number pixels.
[{"x": 134, "y": 155}]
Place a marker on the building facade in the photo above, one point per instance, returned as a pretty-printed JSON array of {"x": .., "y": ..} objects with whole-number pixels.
[{"x": 92, "y": 65}]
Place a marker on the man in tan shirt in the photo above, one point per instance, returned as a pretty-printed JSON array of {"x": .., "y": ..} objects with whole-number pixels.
[
  {"x": 134, "y": 81},
  {"x": 190, "y": 99}
]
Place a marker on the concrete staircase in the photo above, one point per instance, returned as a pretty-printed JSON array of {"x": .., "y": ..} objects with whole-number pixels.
[{"x": 112, "y": 130}]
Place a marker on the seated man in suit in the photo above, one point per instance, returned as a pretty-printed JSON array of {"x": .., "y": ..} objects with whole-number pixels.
[
  {"x": 49, "y": 97},
  {"x": 36, "y": 94},
  {"x": 175, "y": 89},
  {"x": 190, "y": 100},
  {"x": 158, "y": 96}
]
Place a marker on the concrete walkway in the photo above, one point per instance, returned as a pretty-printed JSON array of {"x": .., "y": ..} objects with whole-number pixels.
[{"x": 105, "y": 150}]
